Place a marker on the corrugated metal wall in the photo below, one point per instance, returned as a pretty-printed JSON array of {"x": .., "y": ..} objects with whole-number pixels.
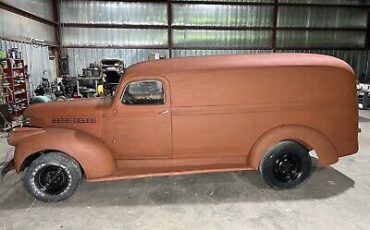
[
  {"x": 114, "y": 37},
  {"x": 220, "y": 15},
  {"x": 99, "y": 29},
  {"x": 346, "y": 2},
  {"x": 42, "y": 8},
  {"x": 16, "y": 27},
  {"x": 183, "y": 53},
  {"x": 37, "y": 59},
  {"x": 113, "y": 12},
  {"x": 358, "y": 59},
  {"x": 321, "y": 17}
]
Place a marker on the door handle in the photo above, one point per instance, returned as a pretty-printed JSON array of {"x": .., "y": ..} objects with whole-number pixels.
[{"x": 164, "y": 112}]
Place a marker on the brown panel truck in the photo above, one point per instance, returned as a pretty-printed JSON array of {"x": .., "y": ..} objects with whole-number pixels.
[{"x": 190, "y": 115}]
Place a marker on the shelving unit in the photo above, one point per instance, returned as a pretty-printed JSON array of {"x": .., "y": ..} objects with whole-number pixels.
[{"x": 14, "y": 85}]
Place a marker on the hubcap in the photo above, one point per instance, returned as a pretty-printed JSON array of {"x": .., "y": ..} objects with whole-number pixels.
[
  {"x": 52, "y": 180},
  {"x": 287, "y": 168}
]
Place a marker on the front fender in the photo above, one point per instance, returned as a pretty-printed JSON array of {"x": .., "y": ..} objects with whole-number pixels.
[
  {"x": 308, "y": 137},
  {"x": 94, "y": 156}
]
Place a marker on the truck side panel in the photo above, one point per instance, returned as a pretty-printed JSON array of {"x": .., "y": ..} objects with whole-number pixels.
[{"x": 223, "y": 112}]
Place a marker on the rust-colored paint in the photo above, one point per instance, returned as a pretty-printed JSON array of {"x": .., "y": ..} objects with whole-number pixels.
[
  {"x": 93, "y": 155},
  {"x": 140, "y": 131},
  {"x": 308, "y": 137},
  {"x": 221, "y": 113}
]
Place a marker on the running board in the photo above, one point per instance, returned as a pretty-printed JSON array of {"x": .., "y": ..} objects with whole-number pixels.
[{"x": 142, "y": 172}]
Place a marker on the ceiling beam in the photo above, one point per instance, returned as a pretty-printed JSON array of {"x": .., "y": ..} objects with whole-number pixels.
[
  {"x": 114, "y": 47},
  {"x": 209, "y": 48},
  {"x": 201, "y": 27},
  {"x": 110, "y": 26}
]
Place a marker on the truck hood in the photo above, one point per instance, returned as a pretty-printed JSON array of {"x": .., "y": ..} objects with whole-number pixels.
[{"x": 83, "y": 108}]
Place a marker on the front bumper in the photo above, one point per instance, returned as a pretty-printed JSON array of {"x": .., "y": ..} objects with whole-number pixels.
[{"x": 8, "y": 167}]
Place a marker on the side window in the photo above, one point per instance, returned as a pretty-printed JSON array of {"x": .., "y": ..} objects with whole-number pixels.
[{"x": 147, "y": 92}]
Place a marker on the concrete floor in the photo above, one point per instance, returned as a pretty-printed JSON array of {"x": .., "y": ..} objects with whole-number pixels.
[{"x": 334, "y": 198}]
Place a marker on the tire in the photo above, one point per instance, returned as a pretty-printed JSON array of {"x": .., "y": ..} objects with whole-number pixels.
[
  {"x": 61, "y": 98},
  {"x": 286, "y": 165},
  {"x": 53, "y": 177}
]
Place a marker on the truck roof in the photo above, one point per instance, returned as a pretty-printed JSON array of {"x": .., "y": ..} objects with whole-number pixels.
[{"x": 235, "y": 61}]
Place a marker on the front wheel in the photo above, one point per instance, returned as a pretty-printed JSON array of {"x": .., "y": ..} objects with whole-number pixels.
[
  {"x": 286, "y": 165},
  {"x": 53, "y": 177}
]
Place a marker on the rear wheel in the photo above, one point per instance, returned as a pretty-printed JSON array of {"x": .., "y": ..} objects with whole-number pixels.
[
  {"x": 53, "y": 177},
  {"x": 286, "y": 165}
]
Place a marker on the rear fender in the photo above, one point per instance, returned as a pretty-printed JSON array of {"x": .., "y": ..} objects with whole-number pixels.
[
  {"x": 306, "y": 136},
  {"x": 95, "y": 158}
]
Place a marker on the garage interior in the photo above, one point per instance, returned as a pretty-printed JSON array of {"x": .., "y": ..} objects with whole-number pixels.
[{"x": 61, "y": 50}]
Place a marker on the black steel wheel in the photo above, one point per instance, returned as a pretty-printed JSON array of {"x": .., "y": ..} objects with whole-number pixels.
[
  {"x": 53, "y": 177},
  {"x": 286, "y": 165}
]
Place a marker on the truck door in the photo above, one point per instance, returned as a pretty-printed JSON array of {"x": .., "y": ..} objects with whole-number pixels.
[{"x": 142, "y": 121}]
